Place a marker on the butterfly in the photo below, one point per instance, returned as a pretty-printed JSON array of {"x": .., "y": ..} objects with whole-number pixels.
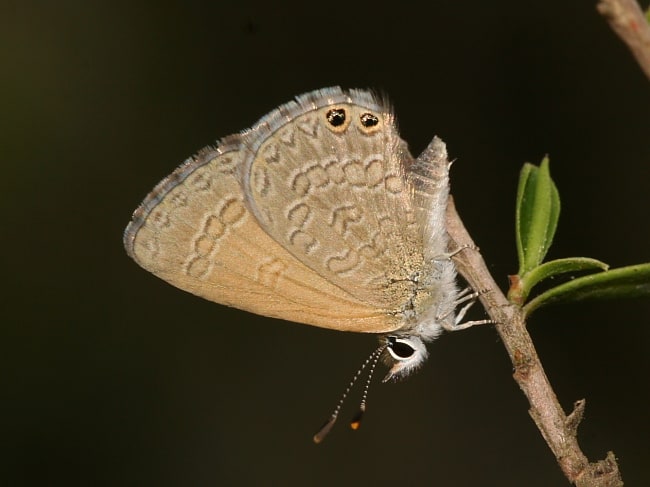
[{"x": 318, "y": 214}]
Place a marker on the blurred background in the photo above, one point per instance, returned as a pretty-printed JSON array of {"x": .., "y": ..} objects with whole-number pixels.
[{"x": 111, "y": 377}]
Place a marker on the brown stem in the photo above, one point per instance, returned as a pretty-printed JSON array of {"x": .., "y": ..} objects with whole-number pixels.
[
  {"x": 628, "y": 21},
  {"x": 558, "y": 430}
]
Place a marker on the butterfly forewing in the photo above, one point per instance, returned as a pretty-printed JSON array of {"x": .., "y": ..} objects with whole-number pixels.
[{"x": 196, "y": 232}]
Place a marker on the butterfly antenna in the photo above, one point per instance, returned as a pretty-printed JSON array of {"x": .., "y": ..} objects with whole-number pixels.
[
  {"x": 356, "y": 421},
  {"x": 326, "y": 428}
]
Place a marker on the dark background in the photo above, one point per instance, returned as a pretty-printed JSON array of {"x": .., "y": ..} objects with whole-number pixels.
[{"x": 111, "y": 377}]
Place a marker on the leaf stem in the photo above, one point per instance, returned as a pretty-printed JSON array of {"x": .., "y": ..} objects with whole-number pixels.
[
  {"x": 558, "y": 429},
  {"x": 630, "y": 24}
]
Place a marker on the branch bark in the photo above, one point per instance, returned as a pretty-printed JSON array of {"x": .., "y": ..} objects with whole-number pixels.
[
  {"x": 558, "y": 429},
  {"x": 630, "y": 24}
]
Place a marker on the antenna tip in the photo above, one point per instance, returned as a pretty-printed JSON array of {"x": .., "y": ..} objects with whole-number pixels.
[
  {"x": 355, "y": 424},
  {"x": 325, "y": 429}
]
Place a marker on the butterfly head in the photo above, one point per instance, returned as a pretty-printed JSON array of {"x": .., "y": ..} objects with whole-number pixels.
[{"x": 404, "y": 355}]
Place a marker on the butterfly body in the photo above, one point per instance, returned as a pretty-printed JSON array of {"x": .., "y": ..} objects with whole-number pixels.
[{"x": 319, "y": 215}]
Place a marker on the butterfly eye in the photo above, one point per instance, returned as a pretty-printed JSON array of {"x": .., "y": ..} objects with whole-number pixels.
[
  {"x": 407, "y": 352},
  {"x": 336, "y": 117},
  {"x": 400, "y": 350}
]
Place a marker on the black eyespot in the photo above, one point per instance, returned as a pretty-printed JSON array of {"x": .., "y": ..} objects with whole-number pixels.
[
  {"x": 369, "y": 120},
  {"x": 401, "y": 349},
  {"x": 336, "y": 117}
]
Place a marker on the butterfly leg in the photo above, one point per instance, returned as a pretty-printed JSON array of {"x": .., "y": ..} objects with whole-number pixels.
[
  {"x": 467, "y": 296},
  {"x": 454, "y": 252}
]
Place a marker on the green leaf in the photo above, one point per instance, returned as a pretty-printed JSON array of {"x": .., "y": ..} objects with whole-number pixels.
[
  {"x": 538, "y": 210},
  {"x": 624, "y": 282},
  {"x": 519, "y": 293}
]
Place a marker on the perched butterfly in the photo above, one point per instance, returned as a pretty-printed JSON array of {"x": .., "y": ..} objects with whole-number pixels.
[{"x": 319, "y": 215}]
